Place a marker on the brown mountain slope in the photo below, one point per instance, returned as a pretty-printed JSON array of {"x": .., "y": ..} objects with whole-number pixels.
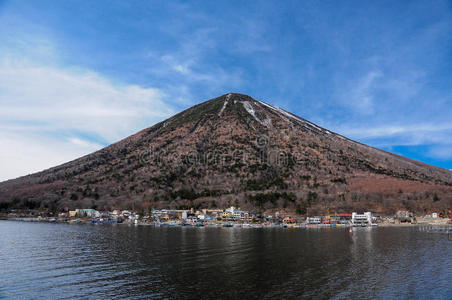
[{"x": 236, "y": 150}]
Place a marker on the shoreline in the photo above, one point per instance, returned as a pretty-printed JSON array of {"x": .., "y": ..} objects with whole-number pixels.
[{"x": 219, "y": 224}]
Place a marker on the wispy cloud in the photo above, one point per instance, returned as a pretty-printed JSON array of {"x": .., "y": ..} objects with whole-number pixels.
[
  {"x": 23, "y": 153},
  {"x": 430, "y": 140},
  {"x": 442, "y": 151},
  {"x": 360, "y": 94},
  {"x": 393, "y": 130},
  {"x": 50, "y": 114},
  {"x": 82, "y": 100}
]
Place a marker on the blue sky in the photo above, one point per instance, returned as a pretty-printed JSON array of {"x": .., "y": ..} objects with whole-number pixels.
[{"x": 77, "y": 75}]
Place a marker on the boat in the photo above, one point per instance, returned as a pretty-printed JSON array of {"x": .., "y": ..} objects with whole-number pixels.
[{"x": 228, "y": 224}]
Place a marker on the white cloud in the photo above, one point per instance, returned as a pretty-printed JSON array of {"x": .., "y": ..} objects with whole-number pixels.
[
  {"x": 76, "y": 100},
  {"x": 193, "y": 71},
  {"x": 22, "y": 153},
  {"x": 441, "y": 152},
  {"x": 183, "y": 68},
  {"x": 419, "y": 130},
  {"x": 189, "y": 65},
  {"x": 435, "y": 137},
  {"x": 361, "y": 94},
  {"x": 46, "y": 113},
  {"x": 84, "y": 143}
]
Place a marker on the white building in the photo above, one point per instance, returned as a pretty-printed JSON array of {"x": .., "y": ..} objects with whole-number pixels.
[
  {"x": 87, "y": 212},
  {"x": 313, "y": 220},
  {"x": 237, "y": 213},
  {"x": 231, "y": 209},
  {"x": 362, "y": 219}
]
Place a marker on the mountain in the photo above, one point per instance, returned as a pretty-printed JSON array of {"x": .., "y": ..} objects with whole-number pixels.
[{"x": 235, "y": 150}]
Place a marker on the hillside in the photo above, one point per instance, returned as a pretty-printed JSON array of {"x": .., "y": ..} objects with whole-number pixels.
[{"x": 235, "y": 150}]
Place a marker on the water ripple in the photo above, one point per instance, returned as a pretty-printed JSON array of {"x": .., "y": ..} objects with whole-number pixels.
[{"x": 43, "y": 261}]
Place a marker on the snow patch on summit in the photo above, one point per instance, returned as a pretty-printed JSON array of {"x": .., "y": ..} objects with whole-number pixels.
[
  {"x": 249, "y": 108},
  {"x": 276, "y": 110},
  {"x": 283, "y": 113}
]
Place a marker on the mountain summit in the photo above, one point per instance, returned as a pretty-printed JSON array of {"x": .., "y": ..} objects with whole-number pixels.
[{"x": 235, "y": 150}]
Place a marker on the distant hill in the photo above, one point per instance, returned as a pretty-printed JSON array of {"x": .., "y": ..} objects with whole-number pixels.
[{"x": 235, "y": 150}]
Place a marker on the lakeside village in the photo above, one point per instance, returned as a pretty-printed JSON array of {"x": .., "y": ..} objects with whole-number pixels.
[{"x": 230, "y": 217}]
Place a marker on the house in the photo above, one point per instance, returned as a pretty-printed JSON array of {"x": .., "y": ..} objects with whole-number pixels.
[
  {"x": 313, "y": 220},
  {"x": 87, "y": 212},
  {"x": 236, "y": 213},
  {"x": 72, "y": 213},
  {"x": 241, "y": 214},
  {"x": 288, "y": 219},
  {"x": 340, "y": 218},
  {"x": 126, "y": 213},
  {"x": 116, "y": 212},
  {"x": 404, "y": 216},
  {"x": 362, "y": 219},
  {"x": 163, "y": 214},
  {"x": 344, "y": 218},
  {"x": 255, "y": 215},
  {"x": 104, "y": 214},
  {"x": 230, "y": 209},
  {"x": 227, "y": 215},
  {"x": 326, "y": 220}
]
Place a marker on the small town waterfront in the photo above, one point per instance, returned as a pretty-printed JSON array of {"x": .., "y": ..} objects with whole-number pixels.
[{"x": 104, "y": 261}]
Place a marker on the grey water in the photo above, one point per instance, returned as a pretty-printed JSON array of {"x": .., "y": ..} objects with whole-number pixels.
[{"x": 62, "y": 261}]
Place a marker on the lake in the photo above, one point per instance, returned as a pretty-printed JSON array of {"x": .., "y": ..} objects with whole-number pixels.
[{"x": 62, "y": 261}]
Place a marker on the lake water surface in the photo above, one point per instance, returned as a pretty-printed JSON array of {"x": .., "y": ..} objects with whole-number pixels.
[{"x": 62, "y": 261}]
